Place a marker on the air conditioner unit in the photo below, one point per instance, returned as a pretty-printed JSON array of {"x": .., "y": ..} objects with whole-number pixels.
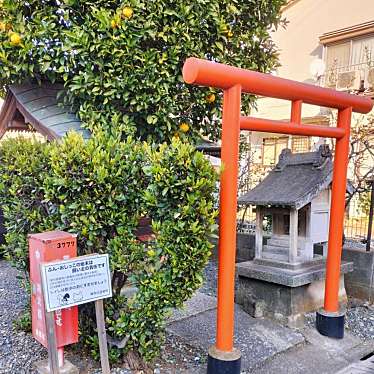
[
  {"x": 370, "y": 78},
  {"x": 330, "y": 78},
  {"x": 348, "y": 80}
]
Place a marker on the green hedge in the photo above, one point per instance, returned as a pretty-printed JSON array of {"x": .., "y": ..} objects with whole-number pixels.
[
  {"x": 24, "y": 165},
  {"x": 99, "y": 189}
]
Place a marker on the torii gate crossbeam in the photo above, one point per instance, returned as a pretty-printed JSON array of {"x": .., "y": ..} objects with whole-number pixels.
[{"x": 223, "y": 357}]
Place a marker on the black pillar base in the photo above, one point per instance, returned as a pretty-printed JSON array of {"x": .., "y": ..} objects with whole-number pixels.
[
  {"x": 223, "y": 362},
  {"x": 330, "y": 324}
]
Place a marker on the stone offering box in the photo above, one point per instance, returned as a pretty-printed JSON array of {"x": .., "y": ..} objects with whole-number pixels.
[{"x": 286, "y": 278}]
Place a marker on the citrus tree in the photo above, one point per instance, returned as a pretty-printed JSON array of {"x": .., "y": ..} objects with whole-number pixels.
[
  {"x": 124, "y": 58},
  {"x": 121, "y": 63}
]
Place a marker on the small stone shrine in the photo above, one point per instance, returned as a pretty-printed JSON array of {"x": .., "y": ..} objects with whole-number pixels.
[{"x": 286, "y": 278}]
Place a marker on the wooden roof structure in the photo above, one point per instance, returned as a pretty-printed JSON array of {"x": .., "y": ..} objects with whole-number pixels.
[
  {"x": 295, "y": 181},
  {"x": 38, "y": 106}
]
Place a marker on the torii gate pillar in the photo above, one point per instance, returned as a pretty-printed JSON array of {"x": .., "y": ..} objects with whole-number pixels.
[{"x": 223, "y": 358}]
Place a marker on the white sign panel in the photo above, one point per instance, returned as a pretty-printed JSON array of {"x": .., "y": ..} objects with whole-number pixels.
[{"x": 76, "y": 281}]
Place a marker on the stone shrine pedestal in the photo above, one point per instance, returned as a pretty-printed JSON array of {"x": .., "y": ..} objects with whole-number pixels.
[
  {"x": 286, "y": 279},
  {"x": 285, "y": 291}
]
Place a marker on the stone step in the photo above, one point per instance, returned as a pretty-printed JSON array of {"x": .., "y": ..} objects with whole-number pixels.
[
  {"x": 275, "y": 256},
  {"x": 276, "y": 249},
  {"x": 279, "y": 257},
  {"x": 283, "y": 241},
  {"x": 278, "y": 242}
]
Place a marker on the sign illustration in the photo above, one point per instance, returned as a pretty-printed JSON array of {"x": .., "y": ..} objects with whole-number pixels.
[{"x": 76, "y": 281}]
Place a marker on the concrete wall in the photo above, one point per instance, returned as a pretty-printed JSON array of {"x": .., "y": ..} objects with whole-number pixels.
[
  {"x": 245, "y": 247},
  {"x": 359, "y": 283}
]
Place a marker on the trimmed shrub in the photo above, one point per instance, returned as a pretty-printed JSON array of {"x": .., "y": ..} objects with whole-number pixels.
[
  {"x": 99, "y": 189},
  {"x": 24, "y": 166}
]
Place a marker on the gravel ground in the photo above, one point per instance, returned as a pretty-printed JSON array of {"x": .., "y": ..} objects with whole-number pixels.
[
  {"x": 359, "y": 320},
  {"x": 210, "y": 278},
  {"x": 19, "y": 350},
  {"x": 354, "y": 244}
]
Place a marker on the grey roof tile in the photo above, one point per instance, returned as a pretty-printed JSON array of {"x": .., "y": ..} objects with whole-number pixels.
[
  {"x": 295, "y": 181},
  {"x": 40, "y": 102}
]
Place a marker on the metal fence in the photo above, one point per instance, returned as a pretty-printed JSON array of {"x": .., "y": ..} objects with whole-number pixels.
[
  {"x": 246, "y": 221},
  {"x": 358, "y": 222}
]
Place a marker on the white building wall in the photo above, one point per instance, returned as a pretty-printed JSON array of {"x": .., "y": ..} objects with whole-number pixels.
[{"x": 299, "y": 44}]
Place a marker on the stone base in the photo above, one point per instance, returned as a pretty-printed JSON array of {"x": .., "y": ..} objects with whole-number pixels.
[
  {"x": 360, "y": 283},
  {"x": 220, "y": 362},
  {"x": 330, "y": 324},
  {"x": 42, "y": 368},
  {"x": 245, "y": 247},
  {"x": 285, "y": 294}
]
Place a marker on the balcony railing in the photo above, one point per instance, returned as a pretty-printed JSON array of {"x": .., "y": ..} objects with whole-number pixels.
[{"x": 354, "y": 78}]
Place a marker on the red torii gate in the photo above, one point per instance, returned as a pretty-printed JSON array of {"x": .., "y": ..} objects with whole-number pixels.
[{"x": 223, "y": 357}]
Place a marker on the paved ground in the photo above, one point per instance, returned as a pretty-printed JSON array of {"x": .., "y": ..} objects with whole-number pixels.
[
  {"x": 320, "y": 355},
  {"x": 362, "y": 367},
  {"x": 268, "y": 347},
  {"x": 257, "y": 339},
  {"x": 198, "y": 304}
]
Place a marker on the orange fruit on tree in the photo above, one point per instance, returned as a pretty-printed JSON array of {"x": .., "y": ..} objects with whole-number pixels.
[
  {"x": 211, "y": 98},
  {"x": 2, "y": 26},
  {"x": 15, "y": 39},
  {"x": 151, "y": 253},
  {"x": 113, "y": 24},
  {"x": 184, "y": 127},
  {"x": 127, "y": 12}
]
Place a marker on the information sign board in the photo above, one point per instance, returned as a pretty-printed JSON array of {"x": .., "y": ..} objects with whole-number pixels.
[{"x": 76, "y": 281}]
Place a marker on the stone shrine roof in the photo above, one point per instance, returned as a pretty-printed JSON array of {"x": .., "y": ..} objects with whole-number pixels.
[{"x": 295, "y": 181}]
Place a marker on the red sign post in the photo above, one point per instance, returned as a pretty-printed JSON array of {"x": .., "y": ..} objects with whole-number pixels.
[{"x": 47, "y": 247}]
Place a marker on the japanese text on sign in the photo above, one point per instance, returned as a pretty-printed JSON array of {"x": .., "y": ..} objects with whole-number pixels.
[{"x": 77, "y": 281}]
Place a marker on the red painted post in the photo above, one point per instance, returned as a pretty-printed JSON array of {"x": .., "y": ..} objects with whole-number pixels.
[
  {"x": 296, "y": 111},
  {"x": 47, "y": 247},
  {"x": 223, "y": 358},
  {"x": 279, "y": 127},
  {"x": 227, "y": 220},
  {"x": 337, "y": 213}
]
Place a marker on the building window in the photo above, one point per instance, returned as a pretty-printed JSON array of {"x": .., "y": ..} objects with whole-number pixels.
[
  {"x": 349, "y": 60},
  {"x": 300, "y": 144},
  {"x": 272, "y": 148}
]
